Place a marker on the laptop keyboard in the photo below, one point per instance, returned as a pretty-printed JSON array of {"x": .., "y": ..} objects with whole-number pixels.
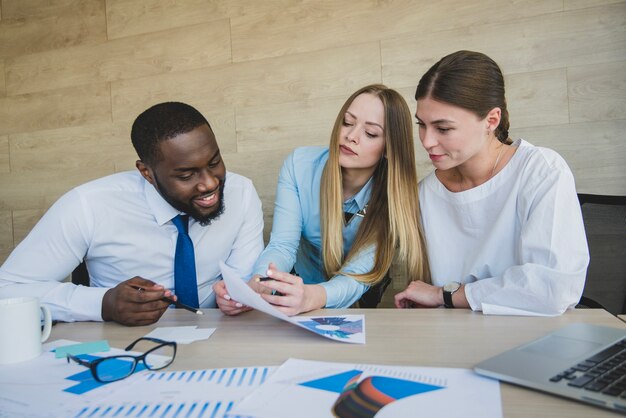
[{"x": 604, "y": 372}]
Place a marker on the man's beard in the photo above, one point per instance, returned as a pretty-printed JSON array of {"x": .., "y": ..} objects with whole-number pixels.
[{"x": 204, "y": 220}]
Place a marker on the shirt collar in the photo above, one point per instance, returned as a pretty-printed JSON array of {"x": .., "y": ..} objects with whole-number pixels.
[
  {"x": 163, "y": 212},
  {"x": 362, "y": 198}
]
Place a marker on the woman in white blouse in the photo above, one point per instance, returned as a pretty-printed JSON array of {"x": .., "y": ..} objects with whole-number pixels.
[{"x": 502, "y": 223}]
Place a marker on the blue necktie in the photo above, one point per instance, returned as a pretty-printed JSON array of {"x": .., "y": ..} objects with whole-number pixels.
[{"x": 185, "y": 284}]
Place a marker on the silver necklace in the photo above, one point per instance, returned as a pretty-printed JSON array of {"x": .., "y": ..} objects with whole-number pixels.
[{"x": 493, "y": 170}]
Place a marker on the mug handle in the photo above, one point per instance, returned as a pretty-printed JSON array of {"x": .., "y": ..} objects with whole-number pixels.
[{"x": 47, "y": 319}]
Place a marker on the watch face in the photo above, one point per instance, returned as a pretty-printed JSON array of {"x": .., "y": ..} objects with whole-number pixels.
[{"x": 451, "y": 287}]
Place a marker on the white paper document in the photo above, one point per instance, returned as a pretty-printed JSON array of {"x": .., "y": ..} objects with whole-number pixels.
[
  {"x": 208, "y": 393},
  {"x": 51, "y": 387},
  {"x": 181, "y": 335},
  {"x": 315, "y": 389},
  {"x": 344, "y": 328}
]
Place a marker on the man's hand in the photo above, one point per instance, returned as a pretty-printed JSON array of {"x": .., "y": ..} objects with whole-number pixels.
[{"x": 136, "y": 301}]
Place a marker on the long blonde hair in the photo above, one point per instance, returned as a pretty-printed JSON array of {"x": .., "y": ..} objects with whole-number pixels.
[{"x": 392, "y": 221}]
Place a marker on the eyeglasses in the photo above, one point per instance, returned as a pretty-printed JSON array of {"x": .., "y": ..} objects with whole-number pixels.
[{"x": 110, "y": 369}]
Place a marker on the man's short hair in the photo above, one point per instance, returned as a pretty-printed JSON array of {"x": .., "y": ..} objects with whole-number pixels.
[{"x": 162, "y": 122}]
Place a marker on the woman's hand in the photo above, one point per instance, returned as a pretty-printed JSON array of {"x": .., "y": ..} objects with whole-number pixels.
[
  {"x": 226, "y": 304},
  {"x": 419, "y": 295},
  {"x": 422, "y": 295},
  {"x": 290, "y": 295}
]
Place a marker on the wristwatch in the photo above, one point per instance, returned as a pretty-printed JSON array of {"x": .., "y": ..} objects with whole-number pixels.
[{"x": 448, "y": 290}]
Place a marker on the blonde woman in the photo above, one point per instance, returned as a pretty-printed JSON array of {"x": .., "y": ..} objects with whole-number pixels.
[{"x": 342, "y": 212}]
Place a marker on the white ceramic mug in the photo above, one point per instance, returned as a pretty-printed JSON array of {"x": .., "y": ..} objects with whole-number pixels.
[{"x": 20, "y": 329}]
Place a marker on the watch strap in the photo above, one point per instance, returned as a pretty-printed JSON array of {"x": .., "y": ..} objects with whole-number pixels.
[
  {"x": 448, "y": 291},
  {"x": 447, "y": 299}
]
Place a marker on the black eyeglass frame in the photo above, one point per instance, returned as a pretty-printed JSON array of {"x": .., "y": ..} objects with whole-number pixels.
[{"x": 93, "y": 365}]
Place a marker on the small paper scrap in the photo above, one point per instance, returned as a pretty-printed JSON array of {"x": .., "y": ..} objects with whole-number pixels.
[
  {"x": 82, "y": 348},
  {"x": 181, "y": 335}
]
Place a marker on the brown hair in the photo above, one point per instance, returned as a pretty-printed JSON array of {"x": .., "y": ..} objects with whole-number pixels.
[
  {"x": 392, "y": 222},
  {"x": 470, "y": 80}
]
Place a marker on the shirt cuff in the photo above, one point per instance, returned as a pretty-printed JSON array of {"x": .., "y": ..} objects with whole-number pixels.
[
  {"x": 471, "y": 297},
  {"x": 87, "y": 303},
  {"x": 342, "y": 292}
]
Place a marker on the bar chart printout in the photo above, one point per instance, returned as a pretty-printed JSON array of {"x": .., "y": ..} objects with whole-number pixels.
[
  {"x": 195, "y": 393},
  {"x": 48, "y": 386},
  {"x": 315, "y": 389}
]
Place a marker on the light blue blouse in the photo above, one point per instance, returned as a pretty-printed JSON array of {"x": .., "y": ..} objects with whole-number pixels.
[{"x": 295, "y": 241}]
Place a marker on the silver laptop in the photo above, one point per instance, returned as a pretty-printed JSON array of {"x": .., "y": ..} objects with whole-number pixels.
[{"x": 580, "y": 361}]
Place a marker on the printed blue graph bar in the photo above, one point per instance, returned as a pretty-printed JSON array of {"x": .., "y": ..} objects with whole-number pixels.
[{"x": 166, "y": 382}]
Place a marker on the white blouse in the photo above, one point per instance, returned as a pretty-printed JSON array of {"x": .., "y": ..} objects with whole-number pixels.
[{"x": 517, "y": 241}]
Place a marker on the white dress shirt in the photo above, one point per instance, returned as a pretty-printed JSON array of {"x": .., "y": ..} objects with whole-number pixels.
[
  {"x": 122, "y": 227},
  {"x": 517, "y": 241}
]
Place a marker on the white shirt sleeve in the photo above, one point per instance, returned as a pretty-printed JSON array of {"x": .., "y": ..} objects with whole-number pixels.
[
  {"x": 551, "y": 249},
  {"x": 50, "y": 252}
]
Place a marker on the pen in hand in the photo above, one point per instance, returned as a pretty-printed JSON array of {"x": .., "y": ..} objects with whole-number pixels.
[
  {"x": 173, "y": 302},
  {"x": 267, "y": 279}
]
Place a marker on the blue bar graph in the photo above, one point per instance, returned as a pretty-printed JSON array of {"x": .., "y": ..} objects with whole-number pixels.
[
  {"x": 169, "y": 410},
  {"x": 233, "y": 383}
]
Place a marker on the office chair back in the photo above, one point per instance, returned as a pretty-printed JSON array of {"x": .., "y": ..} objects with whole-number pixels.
[
  {"x": 80, "y": 275},
  {"x": 605, "y": 226}
]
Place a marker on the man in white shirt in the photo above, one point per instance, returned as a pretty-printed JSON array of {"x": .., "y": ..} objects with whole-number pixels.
[{"x": 121, "y": 226}]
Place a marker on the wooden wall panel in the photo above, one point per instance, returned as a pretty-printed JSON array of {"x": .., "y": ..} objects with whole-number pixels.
[
  {"x": 162, "y": 52},
  {"x": 314, "y": 25},
  {"x": 597, "y": 92},
  {"x": 223, "y": 124},
  {"x": 3, "y": 86},
  {"x": 70, "y": 148},
  {"x": 555, "y": 40},
  {"x": 537, "y": 98},
  {"x": 583, "y": 4},
  {"x": 39, "y": 189},
  {"x": 34, "y": 26},
  {"x": 333, "y": 72},
  {"x": 71, "y": 106},
  {"x": 263, "y": 168},
  {"x": 5, "y": 166},
  {"x": 131, "y": 17},
  {"x": 38, "y": 8},
  {"x": 6, "y": 234},
  {"x": 594, "y": 151},
  {"x": 287, "y": 125}
]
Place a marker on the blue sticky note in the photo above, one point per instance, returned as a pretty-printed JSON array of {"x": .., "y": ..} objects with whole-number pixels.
[{"x": 82, "y": 348}]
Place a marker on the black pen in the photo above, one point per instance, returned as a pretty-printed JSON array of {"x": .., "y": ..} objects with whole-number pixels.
[
  {"x": 267, "y": 279},
  {"x": 173, "y": 302}
]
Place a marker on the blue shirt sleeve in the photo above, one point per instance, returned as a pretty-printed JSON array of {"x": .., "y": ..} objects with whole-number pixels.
[
  {"x": 287, "y": 226},
  {"x": 297, "y": 202},
  {"x": 341, "y": 290}
]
